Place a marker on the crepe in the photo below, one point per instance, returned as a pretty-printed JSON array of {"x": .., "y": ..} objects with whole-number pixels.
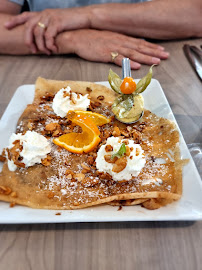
[{"x": 56, "y": 185}]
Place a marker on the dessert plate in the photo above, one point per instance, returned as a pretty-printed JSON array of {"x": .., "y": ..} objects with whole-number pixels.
[{"x": 189, "y": 207}]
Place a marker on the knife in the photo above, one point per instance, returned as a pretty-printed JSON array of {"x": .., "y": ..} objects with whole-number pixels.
[{"x": 194, "y": 55}]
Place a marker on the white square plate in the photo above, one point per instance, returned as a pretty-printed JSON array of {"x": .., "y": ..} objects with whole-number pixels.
[{"x": 189, "y": 207}]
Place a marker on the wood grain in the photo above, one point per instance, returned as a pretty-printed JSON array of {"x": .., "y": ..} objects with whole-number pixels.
[{"x": 101, "y": 246}]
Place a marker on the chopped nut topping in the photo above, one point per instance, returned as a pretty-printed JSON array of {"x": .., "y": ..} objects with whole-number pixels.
[
  {"x": 51, "y": 126},
  {"x": 69, "y": 172},
  {"x": 108, "y": 148},
  {"x": 129, "y": 128},
  {"x": 46, "y": 107},
  {"x": 100, "y": 97},
  {"x": 2, "y": 158},
  {"x": 14, "y": 154},
  {"x": 85, "y": 167},
  {"x": 14, "y": 194},
  {"x": 107, "y": 133},
  {"x": 90, "y": 160},
  {"x": 30, "y": 125},
  {"x": 79, "y": 176},
  {"x": 109, "y": 159},
  {"x": 120, "y": 164},
  {"x": 5, "y": 190},
  {"x": 65, "y": 94},
  {"x": 47, "y": 97},
  {"x": 97, "y": 104},
  {"x": 54, "y": 129},
  {"x": 46, "y": 161},
  {"x": 50, "y": 195},
  {"x": 127, "y": 151},
  {"x": 89, "y": 182},
  {"x": 19, "y": 164},
  {"x": 116, "y": 132},
  {"x": 69, "y": 176},
  {"x": 88, "y": 89},
  {"x": 125, "y": 133},
  {"x": 12, "y": 204},
  {"x": 137, "y": 152},
  {"x": 72, "y": 98},
  {"x": 94, "y": 105}
]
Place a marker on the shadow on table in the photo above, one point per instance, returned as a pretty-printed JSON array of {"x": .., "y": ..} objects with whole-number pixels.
[{"x": 97, "y": 225}]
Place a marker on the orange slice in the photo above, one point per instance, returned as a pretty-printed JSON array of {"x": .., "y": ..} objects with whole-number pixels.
[
  {"x": 85, "y": 141},
  {"x": 97, "y": 119}
]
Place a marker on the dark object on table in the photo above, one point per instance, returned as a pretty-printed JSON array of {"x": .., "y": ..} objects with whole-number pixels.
[{"x": 194, "y": 55}]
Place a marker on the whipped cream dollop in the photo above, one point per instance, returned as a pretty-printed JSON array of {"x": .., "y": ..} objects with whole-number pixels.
[
  {"x": 135, "y": 162},
  {"x": 66, "y": 100},
  {"x": 35, "y": 148}
]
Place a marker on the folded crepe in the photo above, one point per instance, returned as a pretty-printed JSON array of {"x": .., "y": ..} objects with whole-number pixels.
[{"x": 72, "y": 181}]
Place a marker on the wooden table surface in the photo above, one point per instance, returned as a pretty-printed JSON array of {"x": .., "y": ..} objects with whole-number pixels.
[{"x": 101, "y": 246}]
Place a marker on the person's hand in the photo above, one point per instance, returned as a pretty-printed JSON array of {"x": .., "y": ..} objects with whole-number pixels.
[
  {"x": 95, "y": 45},
  {"x": 41, "y": 28}
]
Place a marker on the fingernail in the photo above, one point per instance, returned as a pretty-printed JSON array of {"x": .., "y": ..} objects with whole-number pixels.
[
  {"x": 161, "y": 48},
  {"x": 165, "y": 54},
  {"x": 155, "y": 60},
  {"x": 135, "y": 66},
  {"x": 6, "y": 24}
]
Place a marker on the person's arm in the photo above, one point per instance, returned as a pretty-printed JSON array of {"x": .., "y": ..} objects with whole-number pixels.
[
  {"x": 158, "y": 19},
  {"x": 92, "y": 45},
  {"x": 8, "y": 7},
  {"x": 12, "y": 42}
]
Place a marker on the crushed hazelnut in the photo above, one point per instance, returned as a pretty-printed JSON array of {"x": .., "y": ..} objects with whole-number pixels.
[
  {"x": 120, "y": 164},
  {"x": 127, "y": 151},
  {"x": 89, "y": 182},
  {"x": 12, "y": 204},
  {"x": 69, "y": 177},
  {"x": 137, "y": 152},
  {"x": 65, "y": 94},
  {"x": 54, "y": 129},
  {"x": 79, "y": 176},
  {"x": 46, "y": 161},
  {"x": 51, "y": 127},
  {"x": 46, "y": 107},
  {"x": 47, "y": 97},
  {"x": 108, "y": 148},
  {"x": 116, "y": 132},
  {"x": 85, "y": 167},
  {"x": 30, "y": 125},
  {"x": 88, "y": 89},
  {"x": 90, "y": 160},
  {"x": 14, "y": 194},
  {"x": 100, "y": 97},
  {"x": 50, "y": 195},
  {"x": 109, "y": 159},
  {"x": 69, "y": 172},
  {"x": 2, "y": 158},
  {"x": 5, "y": 190},
  {"x": 125, "y": 133}
]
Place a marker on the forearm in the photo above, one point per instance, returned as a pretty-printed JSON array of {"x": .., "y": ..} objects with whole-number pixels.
[
  {"x": 160, "y": 19},
  {"x": 12, "y": 41}
]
